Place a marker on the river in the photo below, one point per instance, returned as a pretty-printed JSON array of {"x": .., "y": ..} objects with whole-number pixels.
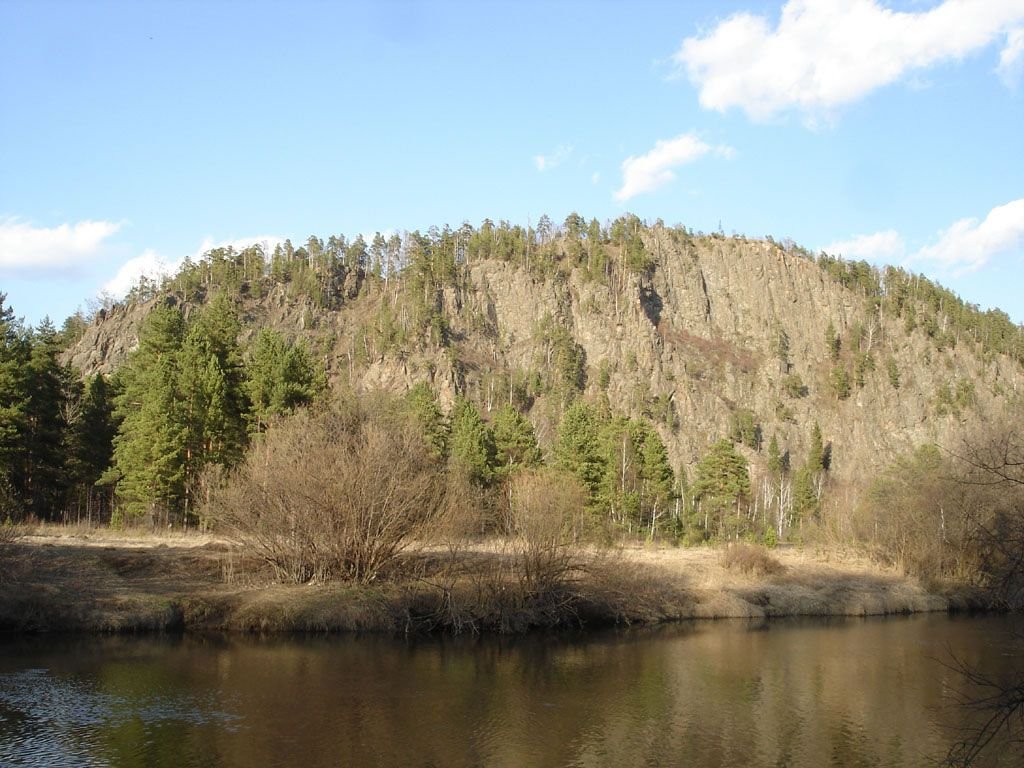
[{"x": 851, "y": 692}]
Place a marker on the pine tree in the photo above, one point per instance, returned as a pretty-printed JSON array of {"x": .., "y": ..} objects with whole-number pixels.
[
  {"x": 422, "y": 406},
  {"x": 471, "y": 443},
  {"x": 514, "y": 440},
  {"x": 14, "y": 356},
  {"x": 658, "y": 478},
  {"x": 577, "y": 449},
  {"x": 774, "y": 457},
  {"x": 90, "y": 448},
  {"x": 832, "y": 342},
  {"x": 722, "y": 481},
  {"x": 42, "y": 478},
  {"x": 149, "y": 450},
  {"x": 278, "y": 378}
]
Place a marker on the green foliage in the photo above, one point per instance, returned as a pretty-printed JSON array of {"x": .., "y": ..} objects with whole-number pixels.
[
  {"x": 149, "y": 450},
  {"x": 15, "y": 351},
  {"x": 832, "y": 342},
  {"x": 562, "y": 356},
  {"x": 954, "y": 401},
  {"x": 721, "y": 481},
  {"x": 745, "y": 428},
  {"x": 41, "y": 474},
  {"x": 864, "y": 364},
  {"x": 638, "y": 482},
  {"x": 577, "y": 448},
  {"x": 839, "y": 378},
  {"x": 471, "y": 443},
  {"x": 780, "y": 347},
  {"x": 893, "y": 372},
  {"x": 775, "y": 460},
  {"x": 424, "y": 411},
  {"x": 182, "y": 407},
  {"x": 794, "y": 386},
  {"x": 279, "y": 378},
  {"x": 805, "y": 494},
  {"x": 514, "y": 441}
]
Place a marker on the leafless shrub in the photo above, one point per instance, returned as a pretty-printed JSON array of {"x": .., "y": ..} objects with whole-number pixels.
[
  {"x": 332, "y": 495},
  {"x": 751, "y": 559},
  {"x": 545, "y": 512}
]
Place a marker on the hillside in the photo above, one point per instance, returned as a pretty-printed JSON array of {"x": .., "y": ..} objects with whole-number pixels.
[{"x": 704, "y": 335}]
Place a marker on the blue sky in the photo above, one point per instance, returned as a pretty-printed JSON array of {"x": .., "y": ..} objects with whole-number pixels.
[{"x": 134, "y": 134}]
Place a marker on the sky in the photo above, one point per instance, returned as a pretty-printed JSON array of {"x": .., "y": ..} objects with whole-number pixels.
[{"x": 135, "y": 134}]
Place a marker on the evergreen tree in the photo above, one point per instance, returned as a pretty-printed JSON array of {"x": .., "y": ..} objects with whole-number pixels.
[
  {"x": 721, "y": 482},
  {"x": 832, "y": 342},
  {"x": 278, "y": 378},
  {"x": 211, "y": 388},
  {"x": 149, "y": 450},
  {"x": 577, "y": 448},
  {"x": 422, "y": 406},
  {"x": 42, "y": 479},
  {"x": 14, "y": 356},
  {"x": 840, "y": 379},
  {"x": 90, "y": 448},
  {"x": 774, "y": 457},
  {"x": 514, "y": 440},
  {"x": 657, "y": 475},
  {"x": 471, "y": 443}
]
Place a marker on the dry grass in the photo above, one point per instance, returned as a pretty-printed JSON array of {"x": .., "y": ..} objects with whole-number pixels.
[
  {"x": 751, "y": 559},
  {"x": 153, "y": 583}
]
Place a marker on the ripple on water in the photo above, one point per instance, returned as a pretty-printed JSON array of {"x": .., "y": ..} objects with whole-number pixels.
[{"x": 48, "y": 720}]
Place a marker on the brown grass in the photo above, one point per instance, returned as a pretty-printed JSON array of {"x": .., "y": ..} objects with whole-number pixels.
[
  {"x": 154, "y": 584},
  {"x": 751, "y": 559}
]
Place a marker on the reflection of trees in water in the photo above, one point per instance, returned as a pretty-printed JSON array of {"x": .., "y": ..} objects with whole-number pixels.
[
  {"x": 995, "y": 461},
  {"x": 997, "y": 704},
  {"x": 796, "y": 693}
]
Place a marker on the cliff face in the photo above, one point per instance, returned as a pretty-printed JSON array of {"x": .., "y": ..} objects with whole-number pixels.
[{"x": 713, "y": 329}]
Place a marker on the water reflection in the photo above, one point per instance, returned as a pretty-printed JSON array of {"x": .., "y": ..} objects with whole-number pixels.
[{"x": 808, "y": 693}]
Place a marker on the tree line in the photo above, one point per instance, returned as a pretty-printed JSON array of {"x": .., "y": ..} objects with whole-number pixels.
[{"x": 133, "y": 445}]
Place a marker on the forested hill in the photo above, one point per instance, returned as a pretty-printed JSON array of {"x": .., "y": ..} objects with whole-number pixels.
[
  {"x": 705, "y": 336},
  {"x": 633, "y": 355}
]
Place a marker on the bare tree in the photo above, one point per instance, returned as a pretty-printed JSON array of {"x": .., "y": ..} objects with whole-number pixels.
[{"x": 332, "y": 495}]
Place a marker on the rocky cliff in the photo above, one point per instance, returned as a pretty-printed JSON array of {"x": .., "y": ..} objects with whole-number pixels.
[{"x": 705, "y": 333}]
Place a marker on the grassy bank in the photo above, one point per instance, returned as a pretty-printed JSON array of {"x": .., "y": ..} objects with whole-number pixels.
[{"x": 96, "y": 582}]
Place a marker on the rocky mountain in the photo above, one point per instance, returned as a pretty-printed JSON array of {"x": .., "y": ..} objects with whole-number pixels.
[{"x": 705, "y": 335}]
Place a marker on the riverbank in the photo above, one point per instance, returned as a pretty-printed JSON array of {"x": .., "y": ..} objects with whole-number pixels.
[{"x": 104, "y": 582}]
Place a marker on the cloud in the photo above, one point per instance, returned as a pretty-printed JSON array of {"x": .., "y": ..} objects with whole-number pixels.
[
  {"x": 555, "y": 159},
  {"x": 827, "y": 53},
  {"x": 969, "y": 244},
  {"x": 27, "y": 248},
  {"x": 1011, "y": 58},
  {"x": 884, "y": 246},
  {"x": 154, "y": 266},
  {"x": 648, "y": 172}
]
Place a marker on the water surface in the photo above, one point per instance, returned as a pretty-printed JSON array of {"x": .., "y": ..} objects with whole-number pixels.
[{"x": 873, "y": 692}]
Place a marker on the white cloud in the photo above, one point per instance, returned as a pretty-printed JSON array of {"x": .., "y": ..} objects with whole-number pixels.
[
  {"x": 154, "y": 266},
  {"x": 1011, "y": 58},
  {"x": 27, "y": 248},
  {"x": 555, "y": 159},
  {"x": 969, "y": 244},
  {"x": 149, "y": 264},
  {"x": 884, "y": 246},
  {"x": 827, "y": 53},
  {"x": 648, "y": 172}
]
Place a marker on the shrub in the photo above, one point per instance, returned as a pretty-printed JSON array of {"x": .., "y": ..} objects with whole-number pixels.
[
  {"x": 750, "y": 559},
  {"x": 546, "y": 511},
  {"x": 332, "y": 495}
]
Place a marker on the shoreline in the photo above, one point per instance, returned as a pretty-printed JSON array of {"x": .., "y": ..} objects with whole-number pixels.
[{"x": 102, "y": 583}]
